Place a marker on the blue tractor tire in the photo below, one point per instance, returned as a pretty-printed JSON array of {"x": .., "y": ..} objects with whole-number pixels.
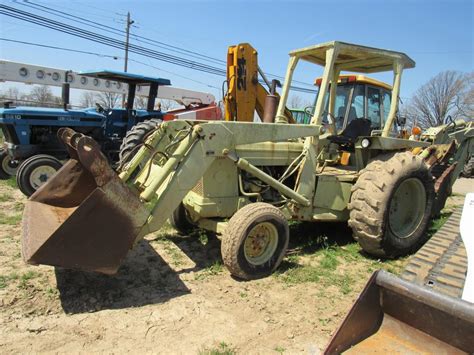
[
  {"x": 35, "y": 171},
  {"x": 8, "y": 167},
  {"x": 135, "y": 137}
]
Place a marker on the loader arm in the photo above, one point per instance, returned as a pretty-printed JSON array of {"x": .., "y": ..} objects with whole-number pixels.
[{"x": 167, "y": 184}]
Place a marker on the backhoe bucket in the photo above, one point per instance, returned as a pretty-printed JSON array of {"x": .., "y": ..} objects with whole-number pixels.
[
  {"x": 84, "y": 217},
  {"x": 392, "y": 315}
]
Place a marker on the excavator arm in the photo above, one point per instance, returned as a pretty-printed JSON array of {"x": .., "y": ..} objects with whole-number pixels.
[{"x": 245, "y": 94}]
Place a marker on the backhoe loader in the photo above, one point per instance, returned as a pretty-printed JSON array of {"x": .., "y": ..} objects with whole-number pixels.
[{"x": 246, "y": 180}]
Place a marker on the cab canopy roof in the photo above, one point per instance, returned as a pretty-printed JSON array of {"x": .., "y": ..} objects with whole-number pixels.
[
  {"x": 355, "y": 58},
  {"x": 125, "y": 77}
]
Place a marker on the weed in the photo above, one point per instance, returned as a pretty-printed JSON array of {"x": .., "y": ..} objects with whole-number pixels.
[
  {"x": 324, "y": 321},
  {"x": 213, "y": 269},
  {"x": 51, "y": 292},
  {"x": 10, "y": 220},
  {"x": 10, "y": 182},
  {"x": 437, "y": 223},
  {"x": 329, "y": 260},
  {"x": 203, "y": 238},
  {"x": 27, "y": 276},
  {"x": 176, "y": 256},
  {"x": 5, "y": 197},
  {"x": 243, "y": 294},
  {"x": 293, "y": 258},
  {"x": 344, "y": 284},
  {"x": 279, "y": 349},
  {"x": 300, "y": 274},
  {"x": 222, "y": 349},
  {"x": 4, "y": 279}
]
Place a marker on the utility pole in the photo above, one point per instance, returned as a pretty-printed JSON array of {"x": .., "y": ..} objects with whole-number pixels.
[{"x": 127, "y": 39}]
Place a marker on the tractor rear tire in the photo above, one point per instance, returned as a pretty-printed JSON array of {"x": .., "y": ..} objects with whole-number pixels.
[
  {"x": 35, "y": 171},
  {"x": 8, "y": 167},
  {"x": 134, "y": 137},
  {"x": 391, "y": 205},
  {"x": 255, "y": 241},
  {"x": 180, "y": 221},
  {"x": 468, "y": 169}
]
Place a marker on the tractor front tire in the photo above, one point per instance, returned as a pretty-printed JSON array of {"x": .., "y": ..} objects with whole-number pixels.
[
  {"x": 134, "y": 137},
  {"x": 8, "y": 167},
  {"x": 35, "y": 171},
  {"x": 255, "y": 241},
  {"x": 180, "y": 221},
  {"x": 391, "y": 205},
  {"x": 468, "y": 169}
]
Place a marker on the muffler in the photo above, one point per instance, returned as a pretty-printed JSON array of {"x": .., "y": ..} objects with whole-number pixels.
[{"x": 84, "y": 217}]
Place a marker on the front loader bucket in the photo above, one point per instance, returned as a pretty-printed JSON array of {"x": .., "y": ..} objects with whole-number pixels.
[
  {"x": 84, "y": 217},
  {"x": 392, "y": 315}
]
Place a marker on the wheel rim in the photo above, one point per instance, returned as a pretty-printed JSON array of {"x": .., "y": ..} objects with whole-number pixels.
[
  {"x": 40, "y": 175},
  {"x": 261, "y": 243},
  {"x": 407, "y": 208},
  {"x": 9, "y": 166}
]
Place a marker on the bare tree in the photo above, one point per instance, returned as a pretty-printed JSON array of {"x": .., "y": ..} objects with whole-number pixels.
[
  {"x": 42, "y": 95},
  {"x": 466, "y": 107},
  {"x": 88, "y": 99},
  {"x": 445, "y": 94},
  {"x": 167, "y": 105},
  {"x": 12, "y": 94},
  {"x": 296, "y": 101},
  {"x": 140, "y": 102},
  {"x": 108, "y": 99}
]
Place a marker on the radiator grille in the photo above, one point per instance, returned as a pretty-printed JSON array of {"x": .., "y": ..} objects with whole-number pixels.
[{"x": 198, "y": 188}]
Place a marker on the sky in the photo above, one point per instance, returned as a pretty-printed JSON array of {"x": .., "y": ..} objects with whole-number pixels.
[{"x": 438, "y": 35}]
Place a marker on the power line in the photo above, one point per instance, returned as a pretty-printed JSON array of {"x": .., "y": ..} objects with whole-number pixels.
[
  {"x": 114, "y": 30},
  {"x": 106, "y": 56},
  {"x": 109, "y": 41},
  {"x": 159, "y": 44},
  {"x": 60, "y": 48}
]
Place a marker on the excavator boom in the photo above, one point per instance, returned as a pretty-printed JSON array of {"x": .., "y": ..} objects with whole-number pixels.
[{"x": 245, "y": 94}]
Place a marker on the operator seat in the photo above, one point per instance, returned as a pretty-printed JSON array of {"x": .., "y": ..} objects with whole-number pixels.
[{"x": 355, "y": 129}]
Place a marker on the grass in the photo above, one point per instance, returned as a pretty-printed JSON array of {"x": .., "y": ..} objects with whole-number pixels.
[
  {"x": 279, "y": 349},
  {"x": 26, "y": 277},
  {"x": 213, "y": 269},
  {"x": 174, "y": 253},
  {"x": 330, "y": 258},
  {"x": 10, "y": 182},
  {"x": 437, "y": 223},
  {"x": 5, "y": 279},
  {"x": 5, "y": 197},
  {"x": 11, "y": 220},
  {"x": 222, "y": 349}
]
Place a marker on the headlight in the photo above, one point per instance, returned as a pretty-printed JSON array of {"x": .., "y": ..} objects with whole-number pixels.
[{"x": 365, "y": 143}]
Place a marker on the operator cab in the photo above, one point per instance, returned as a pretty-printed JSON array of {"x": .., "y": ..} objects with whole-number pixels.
[
  {"x": 358, "y": 96},
  {"x": 135, "y": 83}
]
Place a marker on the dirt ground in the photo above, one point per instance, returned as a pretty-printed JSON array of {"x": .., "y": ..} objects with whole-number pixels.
[{"x": 172, "y": 295}]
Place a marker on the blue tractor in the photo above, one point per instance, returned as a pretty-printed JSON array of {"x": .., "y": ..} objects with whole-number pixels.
[{"x": 32, "y": 150}]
